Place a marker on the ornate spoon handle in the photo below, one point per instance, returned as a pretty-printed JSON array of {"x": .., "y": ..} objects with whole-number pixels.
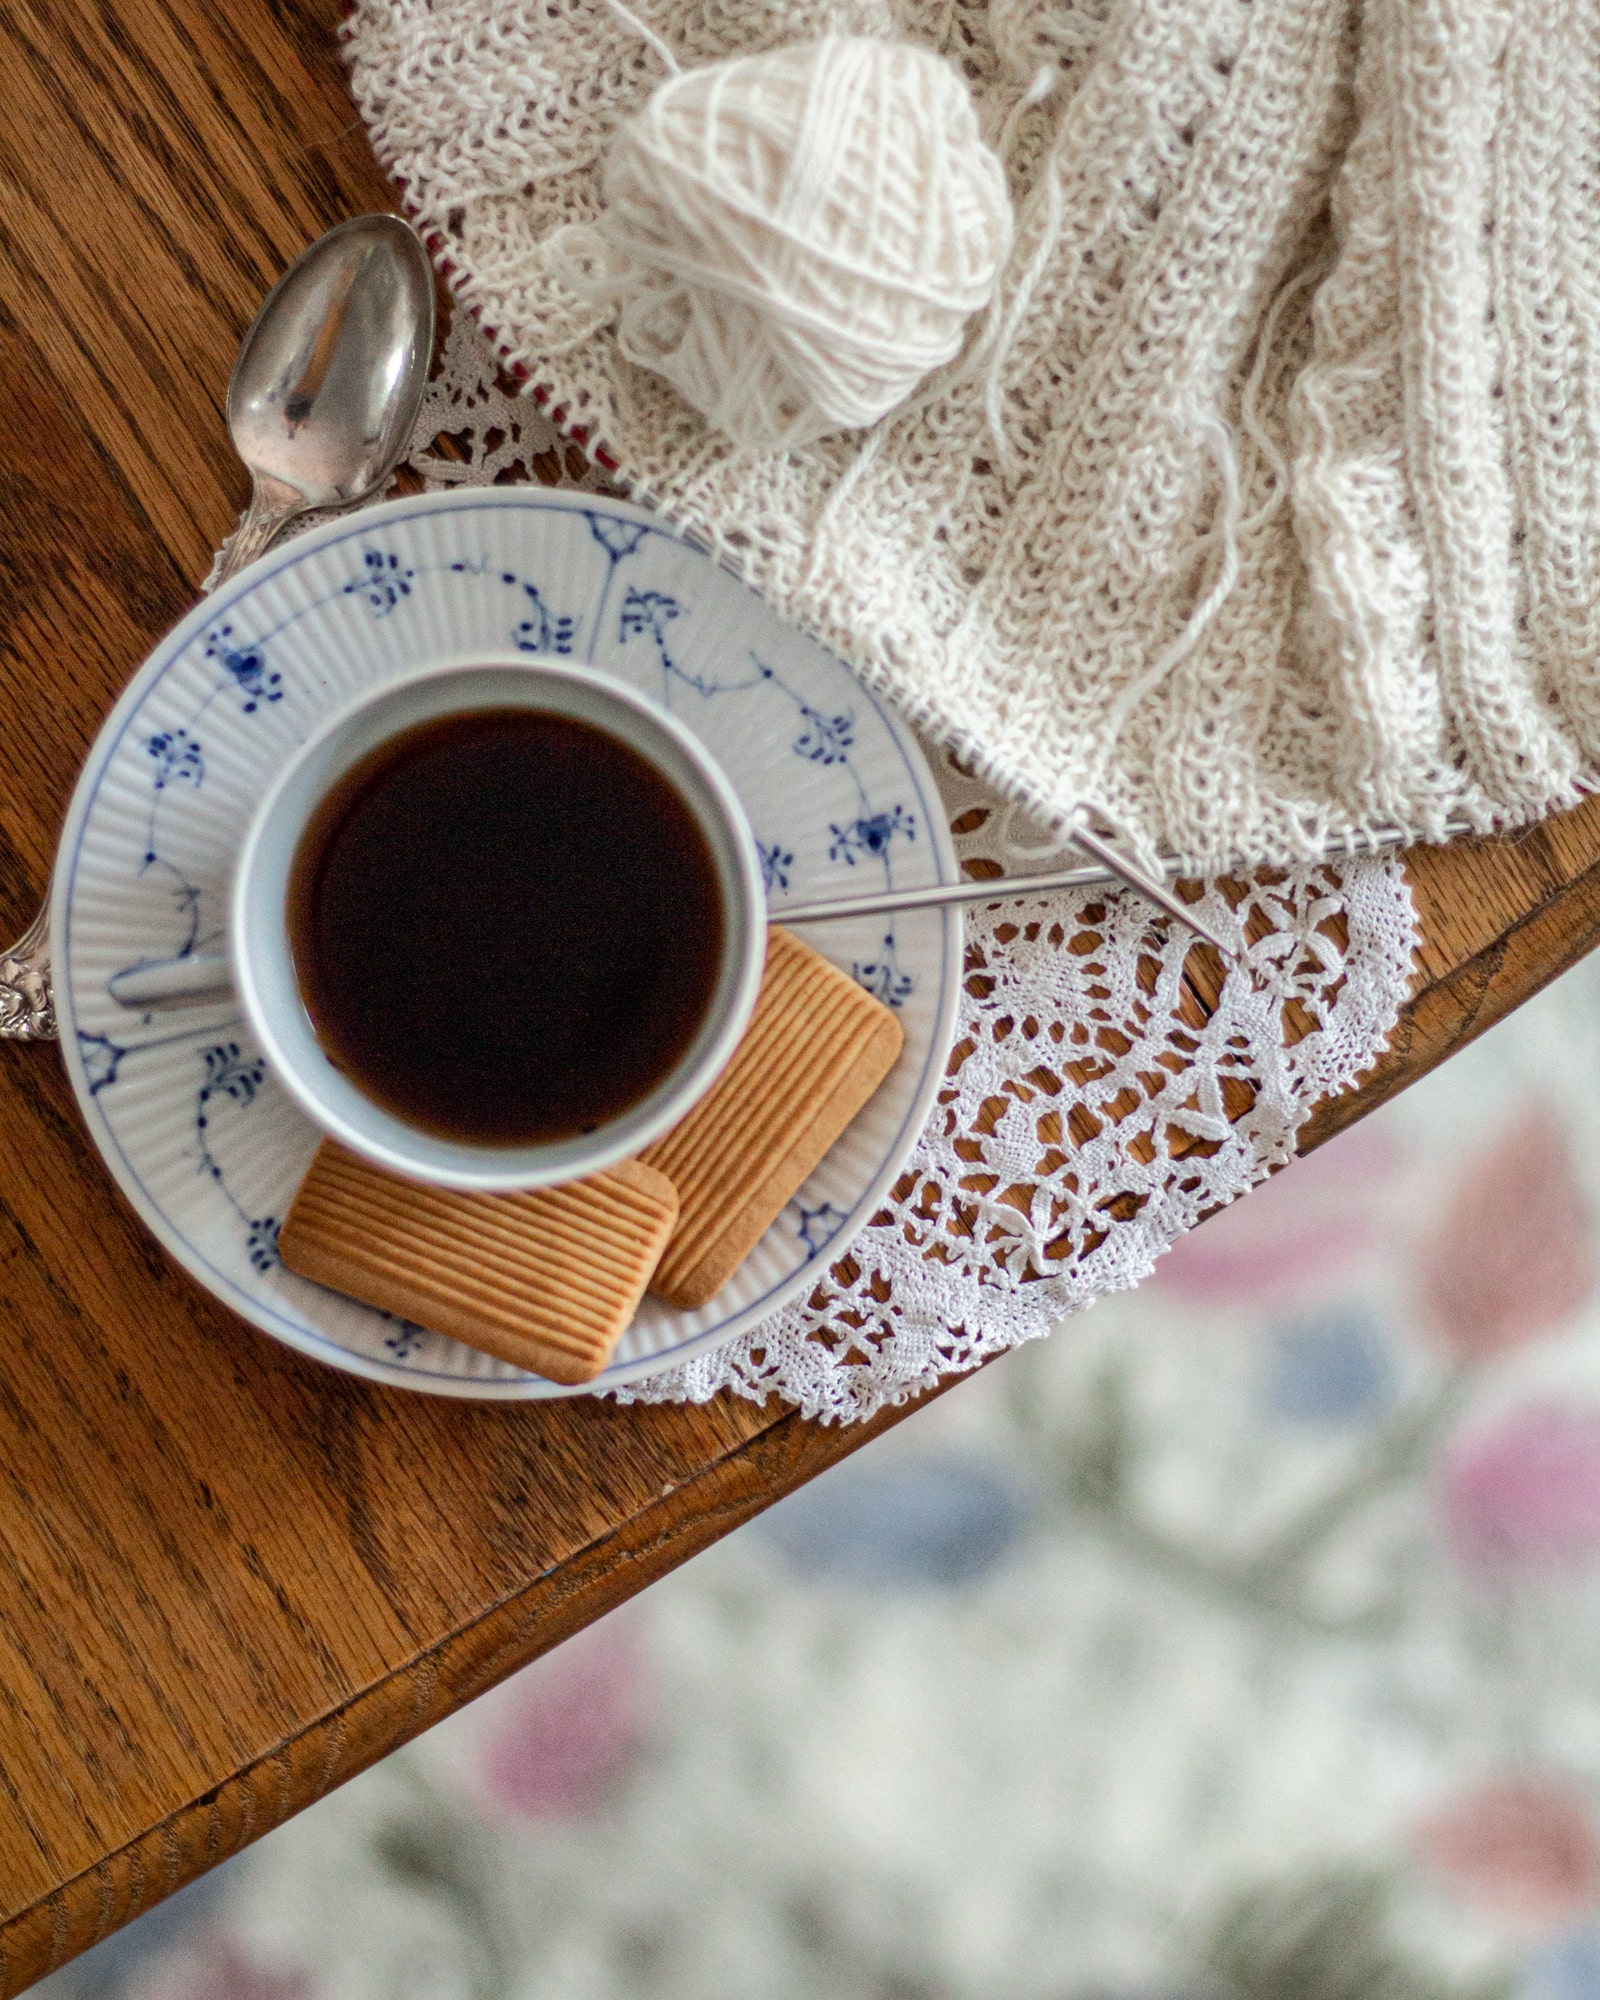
[{"x": 27, "y": 1006}]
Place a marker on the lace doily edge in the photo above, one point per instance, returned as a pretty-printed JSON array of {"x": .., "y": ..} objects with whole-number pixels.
[{"x": 1377, "y": 984}]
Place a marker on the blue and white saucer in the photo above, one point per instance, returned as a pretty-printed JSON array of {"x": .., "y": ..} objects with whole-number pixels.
[{"x": 204, "y": 1143}]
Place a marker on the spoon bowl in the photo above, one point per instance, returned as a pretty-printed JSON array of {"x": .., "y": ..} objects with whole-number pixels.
[{"x": 327, "y": 385}]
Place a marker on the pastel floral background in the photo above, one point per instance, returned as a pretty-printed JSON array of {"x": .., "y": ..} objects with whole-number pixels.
[{"x": 1239, "y": 1642}]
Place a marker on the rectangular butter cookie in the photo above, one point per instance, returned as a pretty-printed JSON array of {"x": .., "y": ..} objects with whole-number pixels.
[
  {"x": 816, "y": 1049},
  {"x": 546, "y": 1279}
]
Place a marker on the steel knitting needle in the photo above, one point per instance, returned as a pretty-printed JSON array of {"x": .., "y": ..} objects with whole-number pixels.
[{"x": 998, "y": 888}]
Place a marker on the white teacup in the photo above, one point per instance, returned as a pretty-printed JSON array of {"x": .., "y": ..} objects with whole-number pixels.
[{"x": 262, "y": 956}]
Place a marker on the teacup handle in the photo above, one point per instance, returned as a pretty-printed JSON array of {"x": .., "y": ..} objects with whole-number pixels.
[{"x": 190, "y": 981}]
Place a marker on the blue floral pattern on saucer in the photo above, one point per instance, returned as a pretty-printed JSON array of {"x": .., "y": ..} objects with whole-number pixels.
[{"x": 188, "y": 1115}]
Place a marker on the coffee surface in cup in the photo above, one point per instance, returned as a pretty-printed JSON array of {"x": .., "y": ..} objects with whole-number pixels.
[{"x": 507, "y": 926}]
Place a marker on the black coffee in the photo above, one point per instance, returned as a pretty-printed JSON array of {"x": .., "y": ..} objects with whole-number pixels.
[{"x": 507, "y": 927}]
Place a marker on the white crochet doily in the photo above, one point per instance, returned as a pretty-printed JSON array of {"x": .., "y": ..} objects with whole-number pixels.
[{"x": 1092, "y": 1112}]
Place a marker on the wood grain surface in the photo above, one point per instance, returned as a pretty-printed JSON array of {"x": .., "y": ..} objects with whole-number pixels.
[{"x": 230, "y": 1578}]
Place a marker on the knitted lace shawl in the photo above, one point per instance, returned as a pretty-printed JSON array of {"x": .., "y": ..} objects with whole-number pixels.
[{"x": 1261, "y": 511}]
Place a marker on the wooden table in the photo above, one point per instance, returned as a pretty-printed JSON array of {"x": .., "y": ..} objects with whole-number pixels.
[{"x": 233, "y": 1578}]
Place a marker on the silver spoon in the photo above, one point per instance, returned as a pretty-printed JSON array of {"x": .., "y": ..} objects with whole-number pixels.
[
  {"x": 330, "y": 377},
  {"x": 321, "y": 405}
]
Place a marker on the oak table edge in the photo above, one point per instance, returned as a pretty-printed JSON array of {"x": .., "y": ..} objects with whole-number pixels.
[
  {"x": 439, "y": 1678},
  {"x": 1447, "y": 1013}
]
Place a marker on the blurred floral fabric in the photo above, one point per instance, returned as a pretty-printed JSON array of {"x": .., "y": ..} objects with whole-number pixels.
[{"x": 1239, "y": 1642}]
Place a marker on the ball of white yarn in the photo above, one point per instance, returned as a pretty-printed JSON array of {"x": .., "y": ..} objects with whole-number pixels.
[{"x": 798, "y": 238}]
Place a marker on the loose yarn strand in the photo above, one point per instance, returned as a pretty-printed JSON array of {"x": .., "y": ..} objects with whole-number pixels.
[
  {"x": 646, "y": 34},
  {"x": 1249, "y": 417},
  {"x": 999, "y": 335},
  {"x": 1219, "y": 442},
  {"x": 1045, "y": 79}
]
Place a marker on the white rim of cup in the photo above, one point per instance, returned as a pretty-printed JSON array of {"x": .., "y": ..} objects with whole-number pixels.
[{"x": 421, "y": 1156}]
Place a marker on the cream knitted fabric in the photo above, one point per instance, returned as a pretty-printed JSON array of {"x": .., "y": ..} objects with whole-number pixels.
[{"x": 1261, "y": 508}]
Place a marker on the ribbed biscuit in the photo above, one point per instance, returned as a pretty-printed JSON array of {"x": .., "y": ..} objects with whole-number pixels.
[
  {"x": 816, "y": 1049},
  {"x": 546, "y": 1279}
]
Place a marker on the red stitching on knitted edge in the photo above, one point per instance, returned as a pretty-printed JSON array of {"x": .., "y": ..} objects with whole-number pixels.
[{"x": 519, "y": 371}]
